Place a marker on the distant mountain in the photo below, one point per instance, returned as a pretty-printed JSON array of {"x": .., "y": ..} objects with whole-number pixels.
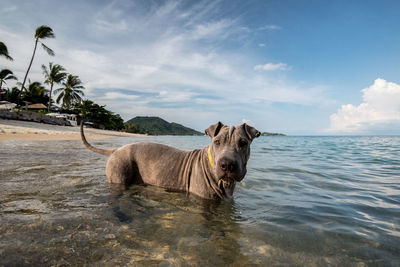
[
  {"x": 272, "y": 134},
  {"x": 158, "y": 126}
]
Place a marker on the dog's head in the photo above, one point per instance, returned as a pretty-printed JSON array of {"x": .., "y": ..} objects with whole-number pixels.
[{"x": 229, "y": 152}]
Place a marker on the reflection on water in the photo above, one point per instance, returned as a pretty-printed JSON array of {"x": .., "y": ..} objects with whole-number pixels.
[{"x": 312, "y": 201}]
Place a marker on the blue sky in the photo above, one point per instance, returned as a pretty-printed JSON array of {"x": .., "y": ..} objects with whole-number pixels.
[{"x": 297, "y": 67}]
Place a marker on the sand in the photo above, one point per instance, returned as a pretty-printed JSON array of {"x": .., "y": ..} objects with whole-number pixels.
[{"x": 25, "y": 130}]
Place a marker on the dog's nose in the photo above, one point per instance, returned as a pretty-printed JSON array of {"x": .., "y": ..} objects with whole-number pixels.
[{"x": 228, "y": 165}]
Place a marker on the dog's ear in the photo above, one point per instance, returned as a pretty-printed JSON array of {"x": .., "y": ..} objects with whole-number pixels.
[
  {"x": 214, "y": 129},
  {"x": 251, "y": 132}
]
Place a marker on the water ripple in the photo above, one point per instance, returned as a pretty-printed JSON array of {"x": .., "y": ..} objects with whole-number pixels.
[{"x": 312, "y": 201}]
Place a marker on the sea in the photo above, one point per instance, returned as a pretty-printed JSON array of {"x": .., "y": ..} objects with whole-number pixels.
[{"x": 305, "y": 201}]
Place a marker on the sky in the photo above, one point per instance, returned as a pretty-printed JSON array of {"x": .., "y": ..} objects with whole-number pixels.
[{"x": 294, "y": 67}]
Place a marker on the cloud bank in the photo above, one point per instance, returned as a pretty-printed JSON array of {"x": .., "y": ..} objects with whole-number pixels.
[
  {"x": 193, "y": 64},
  {"x": 378, "y": 113}
]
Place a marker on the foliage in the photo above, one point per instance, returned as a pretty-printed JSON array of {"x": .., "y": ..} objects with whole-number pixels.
[
  {"x": 99, "y": 115},
  {"x": 35, "y": 93},
  {"x": 55, "y": 74},
  {"x": 44, "y": 32},
  {"x": 158, "y": 126},
  {"x": 6, "y": 74},
  {"x": 11, "y": 95},
  {"x": 4, "y": 51},
  {"x": 70, "y": 94},
  {"x": 132, "y": 128}
]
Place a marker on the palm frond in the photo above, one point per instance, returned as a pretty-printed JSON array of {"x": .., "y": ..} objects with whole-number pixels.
[
  {"x": 58, "y": 90},
  {"x": 58, "y": 68},
  {"x": 54, "y": 74},
  {"x": 11, "y": 77},
  {"x": 4, "y": 73},
  {"x": 59, "y": 98},
  {"x": 48, "y": 49},
  {"x": 79, "y": 92},
  {"x": 59, "y": 77},
  {"x": 43, "y": 32},
  {"x": 70, "y": 93},
  {"x": 4, "y": 51},
  {"x": 45, "y": 72},
  {"x": 57, "y": 73}
]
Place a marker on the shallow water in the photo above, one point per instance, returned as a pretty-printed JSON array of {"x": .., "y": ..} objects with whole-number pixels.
[{"x": 314, "y": 201}]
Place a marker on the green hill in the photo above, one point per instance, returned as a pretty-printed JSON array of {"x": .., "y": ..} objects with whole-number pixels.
[{"x": 158, "y": 126}]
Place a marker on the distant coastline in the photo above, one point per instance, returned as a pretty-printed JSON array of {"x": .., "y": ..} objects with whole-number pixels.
[
  {"x": 31, "y": 130},
  {"x": 272, "y": 134}
]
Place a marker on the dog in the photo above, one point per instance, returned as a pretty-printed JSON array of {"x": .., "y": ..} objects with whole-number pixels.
[{"x": 210, "y": 173}]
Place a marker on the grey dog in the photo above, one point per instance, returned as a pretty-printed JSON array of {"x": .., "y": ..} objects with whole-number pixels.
[{"x": 211, "y": 172}]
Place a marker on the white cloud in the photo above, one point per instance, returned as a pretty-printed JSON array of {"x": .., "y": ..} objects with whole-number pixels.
[
  {"x": 119, "y": 96},
  {"x": 212, "y": 29},
  {"x": 87, "y": 57},
  {"x": 269, "y": 27},
  {"x": 379, "y": 111},
  {"x": 104, "y": 25},
  {"x": 272, "y": 67},
  {"x": 174, "y": 96},
  {"x": 170, "y": 56}
]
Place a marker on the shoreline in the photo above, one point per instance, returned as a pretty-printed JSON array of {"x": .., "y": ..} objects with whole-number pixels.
[{"x": 11, "y": 130}]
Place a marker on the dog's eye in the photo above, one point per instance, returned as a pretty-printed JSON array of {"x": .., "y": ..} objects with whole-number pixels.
[
  {"x": 243, "y": 143},
  {"x": 217, "y": 142}
]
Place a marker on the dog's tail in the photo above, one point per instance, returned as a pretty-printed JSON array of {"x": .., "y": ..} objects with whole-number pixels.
[{"x": 106, "y": 152}]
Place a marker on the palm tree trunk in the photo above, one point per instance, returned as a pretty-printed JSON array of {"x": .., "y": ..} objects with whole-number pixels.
[
  {"x": 1, "y": 84},
  {"x": 29, "y": 67},
  {"x": 51, "y": 89},
  {"x": 1, "y": 95}
]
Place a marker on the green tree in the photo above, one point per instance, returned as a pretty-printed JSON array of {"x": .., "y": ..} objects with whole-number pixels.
[
  {"x": 12, "y": 95},
  {"x": 132, "y": 128},
  {"x": 99, "y": 115},
  {"x": 42, "y": 32},
  {"x": 36, "y": 93},
  {"x": 55, "y": 74},
  {"x": 70, "y": 93},
  {"x": 115, "y": 122},
  {"x": 85, "y": 108},
  {"x": 6, "y": 74},
  {"x": 4, "y": 51}
]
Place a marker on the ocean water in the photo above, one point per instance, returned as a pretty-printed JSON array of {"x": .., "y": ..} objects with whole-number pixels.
[{"x": 305, "y": 201}]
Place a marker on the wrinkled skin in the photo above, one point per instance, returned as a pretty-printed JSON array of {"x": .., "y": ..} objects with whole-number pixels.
[
  {"x": 230, "y": 150},
  {"x": 211, "y": 172}
]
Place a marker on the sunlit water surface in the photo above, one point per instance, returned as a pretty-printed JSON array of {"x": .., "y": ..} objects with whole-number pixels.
[{"x": 315, "y": 201}]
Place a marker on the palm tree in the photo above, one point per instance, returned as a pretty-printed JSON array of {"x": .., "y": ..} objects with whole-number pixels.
[
  {"x": 71, "y": 92},
  {"x": 36, "y": 93},
  {"x": 4, "y": 51},
  {"x": 55, "y": 74},
  {"x": 42, "y": 32},
  {"x": 12, "y": 95},
  {"x": 6, "y": 74}
]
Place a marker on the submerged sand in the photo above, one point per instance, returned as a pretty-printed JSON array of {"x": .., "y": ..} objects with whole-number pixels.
[{"x": 26, "y": 130}]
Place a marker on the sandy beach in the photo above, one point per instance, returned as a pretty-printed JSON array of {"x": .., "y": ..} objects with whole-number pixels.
[{"x": 25, "y": 130}]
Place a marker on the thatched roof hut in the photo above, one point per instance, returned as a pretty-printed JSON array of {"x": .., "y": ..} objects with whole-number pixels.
[{"x": 36, "y": 106}]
